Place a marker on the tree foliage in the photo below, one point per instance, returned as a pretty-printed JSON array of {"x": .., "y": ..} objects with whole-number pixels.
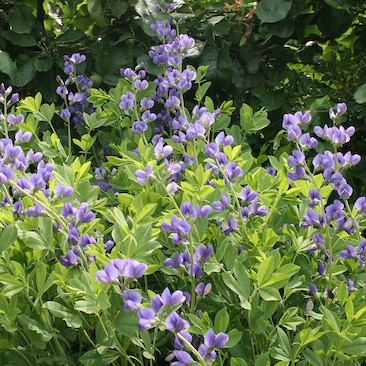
[{"x": 282, "y": 55}]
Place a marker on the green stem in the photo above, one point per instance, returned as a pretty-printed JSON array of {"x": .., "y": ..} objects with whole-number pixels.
[{"x": 189, "y": 346}]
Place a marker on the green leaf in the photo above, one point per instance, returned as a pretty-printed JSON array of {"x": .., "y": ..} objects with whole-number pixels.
[
  {"x": 360, "y": 94},
  {"x": 25, "y": 74},
  {"x": 269, "y": 294},
  {"x": 35, "y": 326},
  {"x": 355, "y": 346},
  {"x": 126, "y": 323},
  {"x": 234, "y": 338},
  {"x": 7, "y": 65},
  {"x": 93, "y": 358},
  {"x": 21, "y": 19},
  {"x": 221, "y": 321},
  {"x": 271, "y": 11},
  {"x": 88, "y": 306},
  {"x": 220, "y": 69},
  {"x": 96, "y": 12},
  {"x": 73, "y": 320},
  {"x": 43, "y": 63},
  {"x": 234, "y": 361},
  {"x": 265, "y": 271},
  {"x": 22, "y": 40},
  {"x": 8, "y": 236}
]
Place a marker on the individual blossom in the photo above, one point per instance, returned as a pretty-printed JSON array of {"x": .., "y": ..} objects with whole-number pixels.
[
  {"x": 83, "y": 214},
  {"x": 202, "y": 289},
  {"x": 160, "y": 303},
  {"x": 183, "y": 358},
  {"x": 221, "y": 205},
  {"x": 144, "y": 176},
  {"x": 181, "y": 228},
  {"x": 360, "y": 205},
  {"x": 174, "y": 323},
  {"x": 229, "y": 227},
  {"x": 232, "y": 172},
  {"x": 349, "y": 253},
  {"x": 350, "y": 285},
  {"x": 132, "y": 300},
  {"x": 146, "y": 318},
  {"x": 71, "y": 258},
  {"x": 15, "y": 120},
  {"x": 109, "y": 274}
]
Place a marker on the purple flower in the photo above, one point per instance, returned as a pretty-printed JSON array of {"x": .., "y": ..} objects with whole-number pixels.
[
  {"x": 83, "y": 214},
  {"x": 161, "y": 151},
  {"x": 15, "y": 120},
  {"x": 345, "y": 191},
  {"x": 307, "y": 142},
  {"x": 313, "y": 288},
  {"x": 180, "y": 259},
  {"x": 141, "y": 84},
  {"x": 146, "y": 318},
  {"x": 86, "y": 239},
  {"x": 35, "y": 211},
  {"x": 71, "y": 259},
  {"x": 23, "y": 137},
  {"x": 334, "y": 210},
  {"x": 223, "y": 140},
  {"x": 321, "y": 269},
  {"x": 174, "y": 323},
  {"x": 203, "y": 290},
  {"x": 212, "y": 341},
  {"x": 184, "y": 358},
  {"x": 247, "y": 195},
  {"x": 132, "y": 300},
  {"x": 360, "y": 205},
  {"x": 181, "y": 227},
  {"x": 109, "y": 274},
  {"x": 127, "y": 101},
  {"x": 297, "y": 175},
  {"x": 233, "y": 171},
  {"x": 6, "y": 173},
  {"x": 133, "y": 269},
  {"x": 144, "y": 176},
  {"x": 221, "y": 205},
  {"x": 297, "y": 158},
  {"x": 167, "y": 299},
  {"x": 178, "y": 343},
  {"x": 63, "y": 192},
  {"x": 139, "y": 126},
  {"x": 350, "y": 285},
  {"x": 351, "y": 252},
  {"x": 229, "y": 227}
]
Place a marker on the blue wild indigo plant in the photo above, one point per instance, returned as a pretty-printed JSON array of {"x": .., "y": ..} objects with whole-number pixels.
[{"x": 177, "y": 246}]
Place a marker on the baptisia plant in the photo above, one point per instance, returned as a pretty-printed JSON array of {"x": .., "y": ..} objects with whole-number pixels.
[{"x": 174, "y": 245}]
